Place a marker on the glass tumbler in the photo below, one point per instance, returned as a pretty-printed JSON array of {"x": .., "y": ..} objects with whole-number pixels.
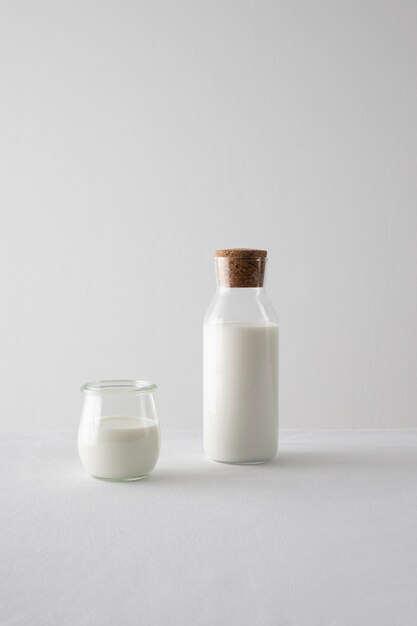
[{"x": 119, "y": 435}]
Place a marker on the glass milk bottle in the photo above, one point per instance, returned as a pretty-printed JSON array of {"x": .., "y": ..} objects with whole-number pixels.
[{"x": 240, "y": 362}]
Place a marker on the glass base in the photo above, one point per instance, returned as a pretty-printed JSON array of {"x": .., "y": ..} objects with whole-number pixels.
[
  {"x": 121, "y": 480},
  {"x": 242, "y": 462}
]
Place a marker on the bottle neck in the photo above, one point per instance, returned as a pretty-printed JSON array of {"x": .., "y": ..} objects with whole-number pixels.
[
  {"x": 240, "y": 292},
  {"x": 240, "y": 305}
]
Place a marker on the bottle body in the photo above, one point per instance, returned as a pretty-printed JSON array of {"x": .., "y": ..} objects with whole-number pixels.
[{"x": 240, "y": 376}]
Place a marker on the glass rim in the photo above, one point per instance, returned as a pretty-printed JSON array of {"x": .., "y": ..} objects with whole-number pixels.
[{"x": 119, "y": 386}]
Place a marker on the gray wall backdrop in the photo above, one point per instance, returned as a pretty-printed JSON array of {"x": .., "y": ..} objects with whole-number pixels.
[{"x": 136, "y": 137}]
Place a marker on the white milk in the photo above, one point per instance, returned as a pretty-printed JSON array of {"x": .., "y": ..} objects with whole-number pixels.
[
  {"x": 120, "y": 447},
  {"x": 240, "y": 392}
]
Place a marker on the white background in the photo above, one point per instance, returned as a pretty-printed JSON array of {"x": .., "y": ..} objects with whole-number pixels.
[
  {"x": 137, "y": 137},
  {"x": 322, "y": 535}
]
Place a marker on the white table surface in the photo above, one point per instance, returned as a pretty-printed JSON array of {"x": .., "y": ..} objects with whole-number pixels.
[{"x": 326, "y": 534}]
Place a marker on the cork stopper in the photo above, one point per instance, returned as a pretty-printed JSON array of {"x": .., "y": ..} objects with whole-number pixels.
[{"x": 240, "y": 267}]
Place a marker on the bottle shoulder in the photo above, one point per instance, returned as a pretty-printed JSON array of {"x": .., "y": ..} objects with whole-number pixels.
[{"x": 247, "y": 306}]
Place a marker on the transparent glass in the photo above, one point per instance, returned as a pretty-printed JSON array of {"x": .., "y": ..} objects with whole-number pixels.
[
  {"x": 240, "y": 376},
  {"x": 119, "y": 434}
]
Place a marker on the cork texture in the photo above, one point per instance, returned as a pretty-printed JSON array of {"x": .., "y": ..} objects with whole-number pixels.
[
  {"x": 240, "y": 267},
  {"x": 242, "y": 253}
]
